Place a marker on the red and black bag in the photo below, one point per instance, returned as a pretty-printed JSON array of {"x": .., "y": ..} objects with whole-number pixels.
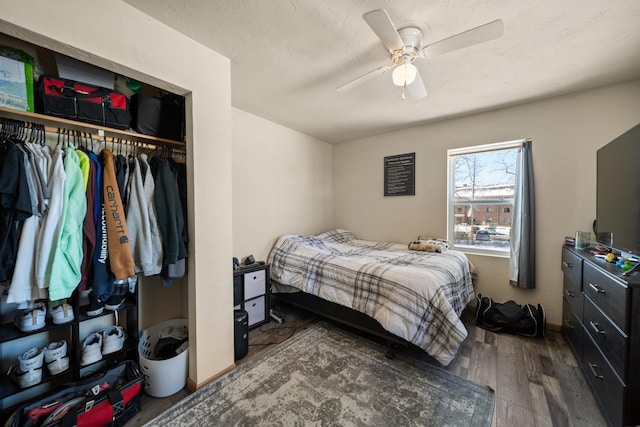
[
  {"x": 83, "y": 102},
  {"x": 109, "y": 398}
]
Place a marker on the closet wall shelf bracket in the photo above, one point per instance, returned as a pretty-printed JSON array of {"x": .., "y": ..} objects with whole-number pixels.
[{"x": 52, "y": 123}]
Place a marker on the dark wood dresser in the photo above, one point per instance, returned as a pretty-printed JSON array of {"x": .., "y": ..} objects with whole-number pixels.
[{"x": 601, "y": 322}]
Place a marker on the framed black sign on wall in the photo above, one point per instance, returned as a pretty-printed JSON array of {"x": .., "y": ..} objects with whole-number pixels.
[{"x": 400, "y": 175}]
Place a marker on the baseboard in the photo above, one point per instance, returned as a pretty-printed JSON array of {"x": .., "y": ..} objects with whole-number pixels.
[
  {"x": 554, "y": 327},
  {"x": 192, "y": 386}
]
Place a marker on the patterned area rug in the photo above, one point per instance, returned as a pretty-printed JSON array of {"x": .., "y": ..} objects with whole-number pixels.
[{"x": 326, "y": 376}]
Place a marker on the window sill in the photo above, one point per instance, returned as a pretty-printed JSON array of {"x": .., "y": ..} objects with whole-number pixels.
[{"x": 481, "y": 252}]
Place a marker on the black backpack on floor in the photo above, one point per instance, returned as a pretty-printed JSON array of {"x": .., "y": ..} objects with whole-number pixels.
[{"x": 510, "y": 317}]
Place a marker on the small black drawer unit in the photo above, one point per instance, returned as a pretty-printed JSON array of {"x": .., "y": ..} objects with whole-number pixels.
[{"x": 251, "y": 293}]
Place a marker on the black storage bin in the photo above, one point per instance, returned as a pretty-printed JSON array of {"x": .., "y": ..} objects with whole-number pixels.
[
  {"x": 241, "y": 334},
  {"x": 163, "y": 117}
]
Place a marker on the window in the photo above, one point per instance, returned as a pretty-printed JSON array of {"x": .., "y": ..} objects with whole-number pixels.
[{"x": 481, "y": 191}]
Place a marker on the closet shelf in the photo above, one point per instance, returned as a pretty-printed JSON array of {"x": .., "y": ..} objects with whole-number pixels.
[{"x": 95, "y": 130}]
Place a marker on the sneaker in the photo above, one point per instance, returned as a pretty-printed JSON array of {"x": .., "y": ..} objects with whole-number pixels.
[
  {"x": 91, "y": 349},
  {"x": 112, "y": 339},
  {"x": 25, "y": 379},
  {"x": 95, "y": 307},
  {"x": 29, "y": 369},
  {"x": 114, "y": 302},
  {"x": 32, "y": 319},
  {"x": 61, "y": 313},
  {"x": 56, "y": 358},
  {"x": 31, "y": 359}
]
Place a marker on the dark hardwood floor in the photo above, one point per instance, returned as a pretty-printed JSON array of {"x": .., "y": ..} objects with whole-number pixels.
[{"x": 537, "y": 381}]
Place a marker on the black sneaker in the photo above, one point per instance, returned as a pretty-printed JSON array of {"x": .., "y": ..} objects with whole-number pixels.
[
  {"x": 95, "y": 307},
  {"x": 114, "y": 302}
]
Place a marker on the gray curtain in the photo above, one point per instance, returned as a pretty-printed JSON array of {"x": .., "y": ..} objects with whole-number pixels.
[{"x": 522, "y": 265}]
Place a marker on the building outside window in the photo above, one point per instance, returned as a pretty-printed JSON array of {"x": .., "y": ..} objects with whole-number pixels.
[{"x": 481, "y": 185}]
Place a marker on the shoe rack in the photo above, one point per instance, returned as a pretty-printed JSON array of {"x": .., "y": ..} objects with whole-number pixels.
[{"x": 14, "y": 342}]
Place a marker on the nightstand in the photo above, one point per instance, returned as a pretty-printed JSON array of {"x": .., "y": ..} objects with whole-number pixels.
[{"x": 251, "y": 293}]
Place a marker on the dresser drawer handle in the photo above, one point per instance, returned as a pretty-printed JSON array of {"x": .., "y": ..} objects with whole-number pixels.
[
  {"x": 596, "y": 327},
  {"x": 567, "y": 264},
  {"x": 593, "y": 367},
  {"x": 569, "y": 324},
  {"x": 570, "y": 293},
  {"x": 597, "y": 288}
]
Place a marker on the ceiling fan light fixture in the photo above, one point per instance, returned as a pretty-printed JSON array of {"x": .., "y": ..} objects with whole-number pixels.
[{"x": 404, "y": 75}]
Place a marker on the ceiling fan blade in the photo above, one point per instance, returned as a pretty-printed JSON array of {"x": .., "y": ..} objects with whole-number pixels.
[
  {"x": 417, "y": 90},
  {"x": 359, "y": 80},
  {"x": 381, "y": 24},
  {"x": 483, "y": 33}
]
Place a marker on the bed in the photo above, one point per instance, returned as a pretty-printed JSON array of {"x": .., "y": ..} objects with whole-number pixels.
[{"x": 415, "y": 296}]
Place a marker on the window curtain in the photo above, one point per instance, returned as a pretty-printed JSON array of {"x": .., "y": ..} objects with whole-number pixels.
[{"x": 522, "y": 257}]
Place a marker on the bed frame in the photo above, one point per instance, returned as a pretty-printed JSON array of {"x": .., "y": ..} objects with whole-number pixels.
[{"x": 343, "y": 315}]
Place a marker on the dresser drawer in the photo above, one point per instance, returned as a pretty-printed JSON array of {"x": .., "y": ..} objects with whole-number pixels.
[
  {"x": 572, "y": 329},
  {"x": 606, "y": 386},
  {"x": 609, "y": 295},
  {"x": 612, "y": 342},
  {"x": 572, "y": 291},
  {"x": 255, "y": 309},
  {"x": 254, "y": 284},
  {"x": 572, "y": 268}
]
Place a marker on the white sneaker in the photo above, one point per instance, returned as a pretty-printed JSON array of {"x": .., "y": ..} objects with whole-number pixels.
[
  {"x": 112, "y": 339},
  {"x": 61, "y": 313},
  {"x": 31, "y": 359},
  {"x": 32, "y": 319},
  {"x": 91, "y": 349},
  {"x": 29, "y": 370},
  {"x": 25, "y": 379},
  {"x": 56, "y": 358}
]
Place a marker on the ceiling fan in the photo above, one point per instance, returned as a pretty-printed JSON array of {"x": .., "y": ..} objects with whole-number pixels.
[{"x": 405, "y": 46}]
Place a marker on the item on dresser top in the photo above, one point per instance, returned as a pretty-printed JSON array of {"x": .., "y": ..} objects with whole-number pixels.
[
  {"x": 582, "y": 240},
  {"x": 510, "y": 317},
  {"x": 83, "y": 102}
]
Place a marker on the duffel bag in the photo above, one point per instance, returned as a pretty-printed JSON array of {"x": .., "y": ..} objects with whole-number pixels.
[
  {"x": 108, "y": 398},
  {"x": 510, "y": 317},
  {"x": 82, "y": 102}
]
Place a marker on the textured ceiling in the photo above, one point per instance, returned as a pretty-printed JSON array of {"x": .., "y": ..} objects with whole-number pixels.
[{"x": 287, "y": 57}]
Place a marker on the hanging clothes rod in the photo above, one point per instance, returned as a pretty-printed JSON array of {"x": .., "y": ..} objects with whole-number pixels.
[
  {"x": 98, "y": 132},
  {"x": 36, "y": 131}
]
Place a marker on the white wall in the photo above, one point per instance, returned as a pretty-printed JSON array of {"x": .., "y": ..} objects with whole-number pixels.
[
  {"x": 138, "y": 46},
  {"x": 282, "y": 184},
  {"x": 566, "y": 133}
]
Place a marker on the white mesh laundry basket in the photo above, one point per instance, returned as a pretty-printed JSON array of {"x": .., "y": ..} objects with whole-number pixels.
[{"x": 163, "y": 378}]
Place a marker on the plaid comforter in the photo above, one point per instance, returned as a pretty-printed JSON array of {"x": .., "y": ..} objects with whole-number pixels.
[{"x": 418, "y": 296}]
